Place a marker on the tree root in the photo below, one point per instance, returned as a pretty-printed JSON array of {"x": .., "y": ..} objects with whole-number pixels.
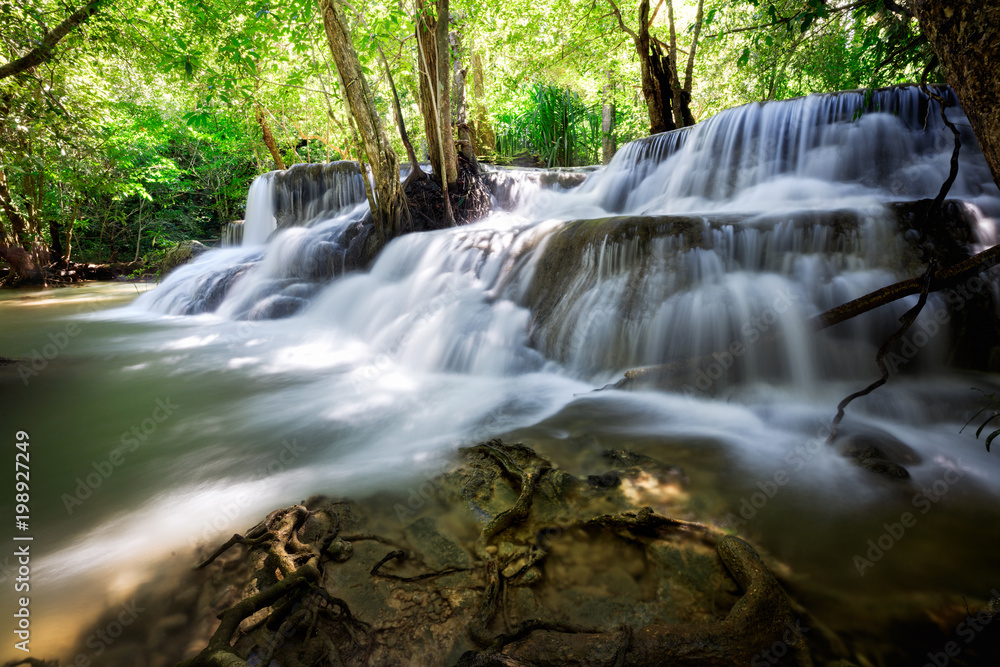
[
  {"x": 287, "y": 569},
  {"x": 219, "y": 652},
  {"x": 528, "y": 476},
  {"x": 399, "y": 554},
  {"x": 761, "y": 617}
]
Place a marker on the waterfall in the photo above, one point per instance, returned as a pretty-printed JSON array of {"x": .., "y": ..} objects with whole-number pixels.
[
  {"x": 702, "y": 252},
  {"x": 260, "y": 222},
  {"x": 673, "y": 252}
]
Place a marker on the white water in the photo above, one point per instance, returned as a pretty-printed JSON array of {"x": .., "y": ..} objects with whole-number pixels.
[{"x": 464, "y": 334}]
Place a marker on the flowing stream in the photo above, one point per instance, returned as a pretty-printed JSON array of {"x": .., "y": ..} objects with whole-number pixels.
[{"x": 260, "y": 374}]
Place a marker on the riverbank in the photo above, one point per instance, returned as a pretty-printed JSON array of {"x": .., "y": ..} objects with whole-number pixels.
[{"x": 502, "y": 558}]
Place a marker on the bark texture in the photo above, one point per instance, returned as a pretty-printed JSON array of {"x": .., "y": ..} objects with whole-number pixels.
[
  {"x": 609, "y": 143},
  {"x": 279, "y": 163},
  {"x": 390, "y": 213},
  {"x": 654, "y": 69},
  {"x": 965, "y": 35},
  {"x": 435, "y": 87}
]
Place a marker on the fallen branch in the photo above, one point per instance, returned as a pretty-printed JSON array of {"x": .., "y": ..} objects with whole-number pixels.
[{"x": 943, "y": 279}]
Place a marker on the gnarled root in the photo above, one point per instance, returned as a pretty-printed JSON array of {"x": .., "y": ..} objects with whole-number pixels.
[
  {"x": 760, "y": 618},
  {"x": 288, "y": 550}
]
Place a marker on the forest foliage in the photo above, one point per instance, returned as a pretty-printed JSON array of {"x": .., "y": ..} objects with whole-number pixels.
[{"x": 145, "y": 123}]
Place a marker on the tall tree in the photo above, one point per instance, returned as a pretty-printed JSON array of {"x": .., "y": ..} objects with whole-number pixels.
[
  {"x": 965, "y": 35},
  {"x": 654, "y": 67},
  {"x": 389, "y": 210},
  {"x": 434, "y": 66},
  {"x": 609, "y": 145}
]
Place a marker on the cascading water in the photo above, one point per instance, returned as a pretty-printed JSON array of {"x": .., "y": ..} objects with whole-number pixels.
[{"x": 708, "y": 248}]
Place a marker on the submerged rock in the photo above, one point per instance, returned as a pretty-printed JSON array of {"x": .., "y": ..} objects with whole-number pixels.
[
  {"x": 276, "y": 307},
  {"x": 879, "y": 453}
]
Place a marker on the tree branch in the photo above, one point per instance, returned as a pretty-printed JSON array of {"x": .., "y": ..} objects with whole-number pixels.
[
  {"x": 621, "y": 22},
  {"x": 893, "y": 7},
  {"x": 942, "y": 279},
  {"x": 46, "y": 47},
  {"x": 787, "y": 19}
]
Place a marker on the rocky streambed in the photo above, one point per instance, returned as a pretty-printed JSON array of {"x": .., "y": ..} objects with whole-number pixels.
[{"x": 504, "y": 559}]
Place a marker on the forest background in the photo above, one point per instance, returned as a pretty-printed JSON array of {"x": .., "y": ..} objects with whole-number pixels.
[{"x": 138, "y": 125}]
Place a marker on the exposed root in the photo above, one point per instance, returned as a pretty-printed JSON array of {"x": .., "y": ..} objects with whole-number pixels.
[
  {"x": 470, "y": 199},
  {"x": 399, "y": 554},
  {"x": 234, "y": 540},
  {"x": 759, "y": 618},
  {"x": 290, "y": 617},
  {"x": 287, "y": 569}
]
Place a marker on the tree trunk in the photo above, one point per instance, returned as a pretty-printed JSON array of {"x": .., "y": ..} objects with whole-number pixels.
[
  {"x": 655, "y": 77},
  {"x": 657, "y": 87},
  {"x": 486, "y": 140},
  {"x": 390, "y": 213},
  {"x": 965, "y": 35},
  {"x": 415, "y": 171},
  {"x": 269, "y": 139},
  {"x": 18, "y": 224},
  {"x": 435, "y": 106},
  {"x": 55, "y": 233},
  {"x": 466, "y": 142},
  {"x": 435, "y": 87},
  {"x": 676, "y": 88},
  {"x": 609, "y": 145},
  {"x": 23, "y": 266}
]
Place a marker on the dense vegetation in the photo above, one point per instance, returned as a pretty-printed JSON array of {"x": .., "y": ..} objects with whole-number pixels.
[{"x": 145, "y": 122}]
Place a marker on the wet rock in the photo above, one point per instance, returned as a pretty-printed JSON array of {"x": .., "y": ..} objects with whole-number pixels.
[
  {"x": 276, "y": 307},
  {"x": 440, "y": 551},
  {"x": 879, "y": 452},
  {"x": 340, "y": 550},
  {"x": 300, "y": 290},
  {"x": 320, "y": 528}
]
